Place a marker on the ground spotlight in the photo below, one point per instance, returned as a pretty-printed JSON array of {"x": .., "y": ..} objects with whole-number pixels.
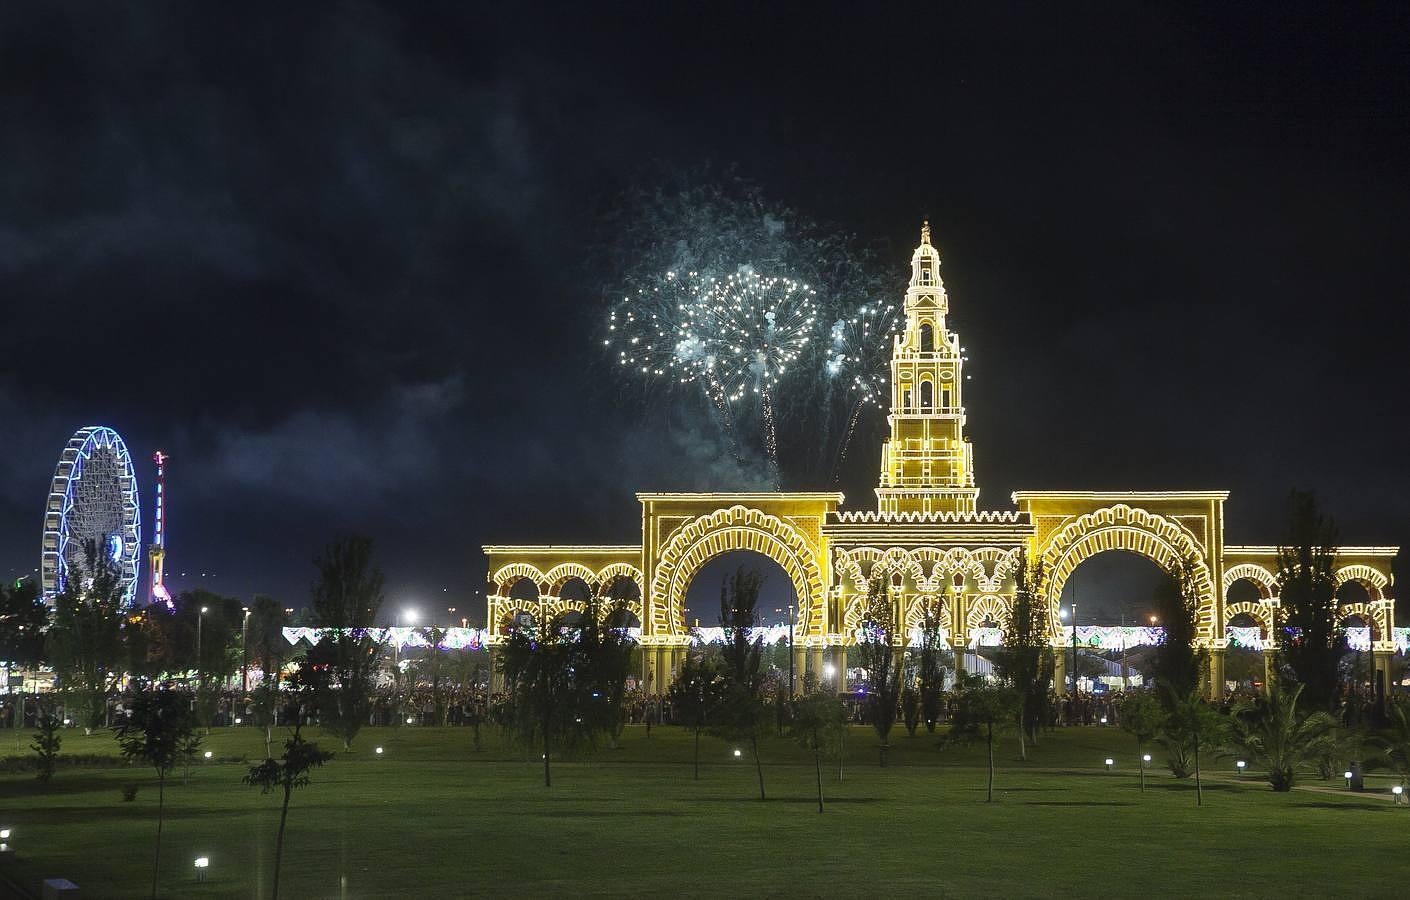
[
  {"x": 202, "y": 863},
  {"x": 1109, "y": 763},
  {"x": 1241, "y": 764},
  {"x": 738, "y": 754},
  {"x": 378, "y": 751},
  {"x": 207, "y": 754}
]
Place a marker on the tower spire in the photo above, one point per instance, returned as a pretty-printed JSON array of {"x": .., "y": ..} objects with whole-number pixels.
[{"x": 927, "y": 463}]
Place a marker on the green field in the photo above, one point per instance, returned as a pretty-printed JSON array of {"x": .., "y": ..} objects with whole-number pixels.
[{"x": 432, "y": 818}]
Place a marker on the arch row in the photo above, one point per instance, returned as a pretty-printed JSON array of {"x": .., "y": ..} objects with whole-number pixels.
[
  {"x": 734, "y": 528},
  {"x": 550, "y": 583},
  {"x": 930, "y": 569},
  {"x": 1122, "y": 527}
]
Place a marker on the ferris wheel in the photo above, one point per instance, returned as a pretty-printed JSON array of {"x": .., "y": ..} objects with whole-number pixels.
[{"x": 93, "y": 498}]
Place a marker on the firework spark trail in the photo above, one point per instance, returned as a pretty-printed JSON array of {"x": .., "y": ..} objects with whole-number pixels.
[
  {"x": 860, "y": 355},
  {"x": 771, "y": 437}
]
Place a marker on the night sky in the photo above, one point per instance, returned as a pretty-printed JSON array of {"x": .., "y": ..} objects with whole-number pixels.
[{"x": 337, "y": 260}]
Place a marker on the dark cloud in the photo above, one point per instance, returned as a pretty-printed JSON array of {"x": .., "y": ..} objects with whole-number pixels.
[{"x": 339, "y": 259}]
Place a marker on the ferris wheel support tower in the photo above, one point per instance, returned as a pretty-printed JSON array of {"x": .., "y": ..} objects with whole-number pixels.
[{"x": 156, "y": 553}]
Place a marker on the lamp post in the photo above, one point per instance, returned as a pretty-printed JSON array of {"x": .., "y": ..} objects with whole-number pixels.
[
  {"x": 1145, "y": 758},
  {"x": 201, "y": 618},
  {"x": 792, "y": 687},
  {"x": 245, "y": 654},
  {"x": 1074, "y": 643}
]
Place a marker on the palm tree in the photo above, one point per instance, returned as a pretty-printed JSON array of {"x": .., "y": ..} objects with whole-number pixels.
[
  {"x": 1395, "y": 739},
  {"x": 1272, "y": 732},
  {"x": 1191, "y": 725}
]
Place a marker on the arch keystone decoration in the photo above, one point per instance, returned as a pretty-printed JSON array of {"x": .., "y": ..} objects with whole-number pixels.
[{"x": 734, "y": 528}]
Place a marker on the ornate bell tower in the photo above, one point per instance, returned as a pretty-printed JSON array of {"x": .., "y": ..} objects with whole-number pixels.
[{"x": 927, "y": 465}]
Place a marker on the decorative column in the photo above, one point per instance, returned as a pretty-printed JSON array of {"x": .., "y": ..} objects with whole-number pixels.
[
  {"x": 658, "y": 684},
  {"x": 800, "y": 661},
  {"x": 1216, "y": 670},
  {"x": 1270, "y": 666},
  {"x": 495, "y": 677},
  {"x": 839, "y": 655},
  {"x": 1059, "y": 670},
  {"x": 816, "y": 665},
  {"x": 1382, "y": 653}
]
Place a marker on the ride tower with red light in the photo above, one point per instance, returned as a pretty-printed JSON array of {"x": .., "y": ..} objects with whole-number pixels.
[{"x": 156, "y": 553}]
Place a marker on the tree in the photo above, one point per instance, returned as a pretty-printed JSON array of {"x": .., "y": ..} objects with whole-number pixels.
[
  {"x": 697, "y": 694},
  {"x": 289, "y": 771},
  {"x": 934, "y": 659},
  {"x": 160, "y": 731},
  {"x": 879, "y": 651},
  {"x": 1142, "y": 716},
  {"x": 608, "y": 648},
  {"x": 541, "y": 666},
  {"x": 1025, "y": 660},
  {"x": 264, "y": 638},
  {"x": 910, "y": 709},
  {"x": 85, "y": 641},
  {"x": 431, "y": 667},
  {"x": 981, "y": 709},
  {"x": 742, "y": 712},
  {"x": 23, "y": 618},
  {"x": 346, "y": 658},
  {"x": 817, "y": 720},
  {"x": 47, "y": 740},
  {"x": 1175, "y": 665},
  {"x": 1394, "y": 739},
  {"x": 1310, "y": 643},
  {"x": 1271, "y": 731},
  {"x": 1190, "y": 725}
]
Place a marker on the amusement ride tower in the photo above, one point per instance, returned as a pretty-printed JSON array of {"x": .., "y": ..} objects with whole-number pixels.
[{"x": 156, "y": 553}]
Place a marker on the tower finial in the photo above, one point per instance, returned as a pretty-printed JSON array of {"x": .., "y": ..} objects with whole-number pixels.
[{"x": 925, "y": 233}]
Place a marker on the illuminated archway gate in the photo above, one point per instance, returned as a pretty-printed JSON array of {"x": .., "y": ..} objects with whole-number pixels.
[
  {"x": 681, "y": 532},
  {"x": 1167, "y": 527},
  {"x": 927, "y": 539}
]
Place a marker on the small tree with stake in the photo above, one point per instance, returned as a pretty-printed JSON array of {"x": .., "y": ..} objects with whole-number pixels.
[
  {"x": 935, "y": 658},
  {"x": 817, "y": 720},
  {"x": 697, "y": 694},
  {"x": 161, "y": 731},
  {"x": 1143, "y": 717},
  {"x": 289, "y": 771},
  {"x": 742, "y": 710},
  {"x": 1026, "y": 659},
  {"x": 981, "y": 709},
  {"x": 878, "y": 651},
  {"x": 46, "y": 742}
]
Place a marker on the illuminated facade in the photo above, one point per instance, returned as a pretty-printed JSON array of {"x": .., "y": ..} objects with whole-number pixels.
[{"x": 926, "y": 537}]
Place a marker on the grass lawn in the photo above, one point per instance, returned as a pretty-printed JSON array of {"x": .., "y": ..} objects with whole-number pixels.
[{"x": 432, "y": 818}]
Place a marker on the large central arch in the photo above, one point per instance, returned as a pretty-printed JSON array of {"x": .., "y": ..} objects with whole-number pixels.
[
  {"x": 735, "y": 528},
  {"x": 1122, "y": 527}
]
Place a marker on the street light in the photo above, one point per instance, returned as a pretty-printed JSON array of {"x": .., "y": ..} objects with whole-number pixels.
[
  {"x": 1241, "y": 765},
  {"x": 202, "y": 863},
  {"x": 738, "y": 753},
  {"x": 1109, "y": 763},
  {"x": 1397, "y": 791},
  {"x": 245, "y": 652},
  {"x": 1145, "y": 759},
  {"x": 199, "y": 620},
  {"x": 1347, "y": 776}
]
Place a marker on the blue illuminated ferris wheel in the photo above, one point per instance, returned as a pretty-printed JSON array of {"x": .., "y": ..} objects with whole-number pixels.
[{"x": 93, "y": 497}]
